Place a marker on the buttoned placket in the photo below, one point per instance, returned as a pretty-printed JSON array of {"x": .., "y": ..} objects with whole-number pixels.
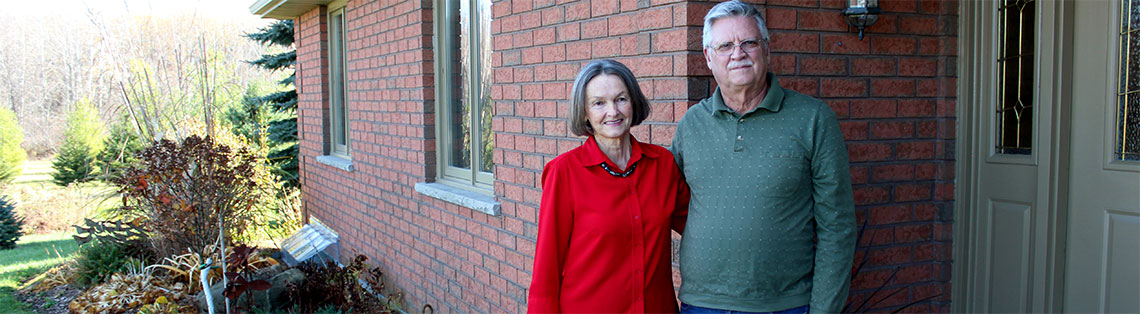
[{"x": 739, "y": 143}]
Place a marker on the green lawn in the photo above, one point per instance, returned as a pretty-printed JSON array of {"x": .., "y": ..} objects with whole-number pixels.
[
  {"x": 35, "y": 171},
  {"x": 33, "y": 255}
]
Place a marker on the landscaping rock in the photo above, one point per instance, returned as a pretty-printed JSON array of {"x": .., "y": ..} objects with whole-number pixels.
[{"x": 277, "y": 297}]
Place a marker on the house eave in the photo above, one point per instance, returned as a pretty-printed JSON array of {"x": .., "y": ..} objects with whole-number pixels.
[{"x": 284, "y": 9}]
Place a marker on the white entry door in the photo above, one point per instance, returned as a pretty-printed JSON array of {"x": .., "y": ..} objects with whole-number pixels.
[{"x": 1102, "y": 269}]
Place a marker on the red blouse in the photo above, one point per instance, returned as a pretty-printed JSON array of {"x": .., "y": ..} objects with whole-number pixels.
[{"x": 604, "y": 241}]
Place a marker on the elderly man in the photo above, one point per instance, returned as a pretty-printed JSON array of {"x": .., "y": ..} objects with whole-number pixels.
[{"x": 771, "y": 221}]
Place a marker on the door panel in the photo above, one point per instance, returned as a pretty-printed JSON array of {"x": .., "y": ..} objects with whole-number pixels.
[
  {"x": 1010, "y": 251},
  {"x": 1103, "y": 260}
]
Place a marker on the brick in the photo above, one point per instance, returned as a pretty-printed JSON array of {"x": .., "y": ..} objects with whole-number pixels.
[
  {"x": 553, "y": 16},
  {"x": 916, "y": 108},
  {"x": 781, "y": 18},
  {"x": 676, "y": 40},
  {"x": 806, "y": 86},
  {"x": 887, "y": 24},
  {"x": 693, "y": 64},
  {"x": 929, "y": 46},
  {"x": 545, "y": 36},
  {"x": 892, "y": 129},
  {"x": 843, "y": 87},
  {"x": 653, "y": 66},
  {"x": 889, "y": 214},
  {"x": 867, "y": 195},
  {"x": 522, "y": 39},
  {"x": 569, "y": 32},
  {"x": 841, "y": 107},
  {"x": 794, "y": 42},
  {"x": 579, "y": 50},
  {"x": 919, "y": 25},
  {"x": 918, "y": 66},
  {"x": 554, "y": 53},
  {"x": 595, "y": 29},
  {"x": 532, "y": 55},
  {"x": 913, "y": 233},
  {"x": 883, "y": 45},
  {"x": 899, "y": 6},
  {"x": 605, "y": 48},
  {"x": 655, "y": 18},
  {"x": 926, "y": 87},
  {"x": 845, "y": 44},
  {"x": 779, "y": 64},
  {"x": 854, "y": 130},
  {"x": 883, "y": 87},
  {"x": 916, "y": 150},
  {"x": 621, "y": 24},
  {"x": 913, "y": 192},
  {"x": 530, "y": 20},
  {"x": 889, "y": 256},
  {"x": 823, "y": 20},
  {"x": 873, "y": 66},
  {"x": 794, "y": 3},
  {"x": 578, "y": 11},
  {"x": 603, "y": 7},
  {"x": 860, "y": 151},
  {"x": 823, "y": 65},
  {"x": 944, "y": 191},
  {"x": 926, "y": 129},
  {"x": 892, "y": 173}
]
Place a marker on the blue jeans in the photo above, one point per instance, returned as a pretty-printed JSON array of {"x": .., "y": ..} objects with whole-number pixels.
[{"x": 692, "y": 309}]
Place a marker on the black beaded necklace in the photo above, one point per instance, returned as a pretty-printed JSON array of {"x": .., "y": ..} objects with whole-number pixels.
[{"x": 620, "y": 174}]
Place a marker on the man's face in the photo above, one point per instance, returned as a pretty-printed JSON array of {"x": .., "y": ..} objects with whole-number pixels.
[{"x": 740, "y": 66}]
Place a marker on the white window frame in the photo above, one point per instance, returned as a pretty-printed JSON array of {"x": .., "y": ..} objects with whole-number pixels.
[
  {"x": 338, "y": 85},
  {"x": 470, "y": 179}
]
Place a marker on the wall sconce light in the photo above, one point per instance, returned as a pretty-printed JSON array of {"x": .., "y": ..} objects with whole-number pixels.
[{"x": 862, "y": 13}]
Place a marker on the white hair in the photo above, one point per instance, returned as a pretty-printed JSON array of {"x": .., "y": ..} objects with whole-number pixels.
[{"x": 733, "y": 8}]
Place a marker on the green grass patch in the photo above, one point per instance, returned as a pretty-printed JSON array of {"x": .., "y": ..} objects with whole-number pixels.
[
  {"x": 35, "y": 171},
  {"x": 33, "y": 255}
]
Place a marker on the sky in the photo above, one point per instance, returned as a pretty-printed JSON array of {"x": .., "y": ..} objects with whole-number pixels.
[{"x": 237, "y": 9}]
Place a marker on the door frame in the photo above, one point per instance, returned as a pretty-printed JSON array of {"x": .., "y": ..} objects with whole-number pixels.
[{"x": 975, "y": 88}]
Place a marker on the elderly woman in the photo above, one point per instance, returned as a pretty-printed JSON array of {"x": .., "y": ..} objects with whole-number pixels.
[{"x": 607, "y": 207}]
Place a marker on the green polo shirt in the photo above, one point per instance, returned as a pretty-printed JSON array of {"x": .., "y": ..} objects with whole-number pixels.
[{"x": 771, "y": 222}]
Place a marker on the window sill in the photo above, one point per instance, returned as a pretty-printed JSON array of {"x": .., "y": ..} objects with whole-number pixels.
[
  {"x": 336, "y": 161},
  {"x": 473, "y": 200}
]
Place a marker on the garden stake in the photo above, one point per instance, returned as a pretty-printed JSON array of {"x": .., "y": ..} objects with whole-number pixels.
[{"x": 204, "y": 270}]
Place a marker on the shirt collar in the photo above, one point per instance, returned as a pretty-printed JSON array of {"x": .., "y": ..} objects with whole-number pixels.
[
  {"x": 772, "y": 101},
  {"x": 594, "y": 156}
]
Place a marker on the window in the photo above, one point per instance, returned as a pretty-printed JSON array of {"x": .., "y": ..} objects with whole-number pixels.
[
  {"x": 463, "y": 93},
  {"x": 1015, "y": 77},
  {"x": 1128, "y": 85},
  {"x": 337, "y": 118}
]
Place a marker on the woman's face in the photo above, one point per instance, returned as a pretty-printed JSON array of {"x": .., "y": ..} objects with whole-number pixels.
[{"x": 608, "y": 107}]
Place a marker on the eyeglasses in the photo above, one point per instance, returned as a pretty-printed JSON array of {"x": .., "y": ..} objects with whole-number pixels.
[{"x": 727, "y": 48}]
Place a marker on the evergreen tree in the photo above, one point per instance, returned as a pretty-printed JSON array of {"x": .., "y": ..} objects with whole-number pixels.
[
  {"x": 120, "y": 149},
  {"x": 11, "y": 154},
  {"x": 10, "y": 224},
  {"x": 282, "y": 130},
  {"x": 82, "y": 142}
]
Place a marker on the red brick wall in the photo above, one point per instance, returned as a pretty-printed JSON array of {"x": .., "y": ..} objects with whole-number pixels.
[{"x": 893, "y": 91}]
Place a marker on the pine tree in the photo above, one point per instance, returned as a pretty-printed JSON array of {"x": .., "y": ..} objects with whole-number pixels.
[
  {"x": 82, "y": 142},
  {"x": 10, "y": 224},
  {"x": 12, "y": 156},
  {"x": 282, "y": 132}
]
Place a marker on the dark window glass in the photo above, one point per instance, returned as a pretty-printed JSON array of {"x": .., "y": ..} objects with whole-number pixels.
[{"x": 1015, "y": 77}]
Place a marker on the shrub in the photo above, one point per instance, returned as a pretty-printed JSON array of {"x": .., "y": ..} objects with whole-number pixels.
[
  {"x": 329, "y": 284},
  {"x": 98, "y": 260},
  {"x": 120, "y": 150},
  {"x": 10, "y": 224},
  {"x": 181, "y": 190},
  {"x": 11, "y": 154},
  {"x": 82, "y": 142}
]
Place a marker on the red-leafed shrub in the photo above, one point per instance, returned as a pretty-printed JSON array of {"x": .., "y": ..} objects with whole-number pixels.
[{"x": 182, "y": 189}]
